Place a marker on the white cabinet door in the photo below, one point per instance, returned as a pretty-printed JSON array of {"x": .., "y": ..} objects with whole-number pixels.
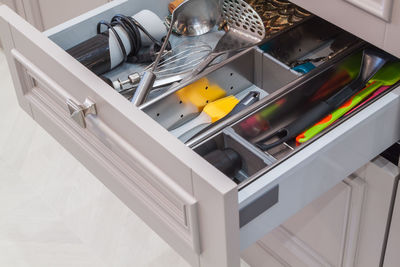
[
  {"x": 54, "y": 12},
  {"x": 345, "y": 227},
  {"x": 392, "y": 255},
  {"x": 44, "y": 14},
  {"x": 376, "y": 21},
  {"x": 392, "y": 36}
]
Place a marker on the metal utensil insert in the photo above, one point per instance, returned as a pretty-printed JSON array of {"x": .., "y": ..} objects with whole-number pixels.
[{"x": 244, "y": 29}]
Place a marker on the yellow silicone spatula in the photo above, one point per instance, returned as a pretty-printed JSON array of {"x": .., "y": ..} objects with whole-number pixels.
[
  {"x": 197, "y": 95},
  {"x": 211, "y": 113}
]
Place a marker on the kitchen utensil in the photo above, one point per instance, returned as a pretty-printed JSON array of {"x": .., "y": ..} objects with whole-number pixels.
[
  {"x": 372, "y": 61},
  {"x": 125, "y": 36},
  {"x": 388, "y": 75},
  {"x": 206, "y": 148},
  {"x": 211, "y": 113},
  {"x": 302, "y": 40},
  {"x": 278, "y": 15},
  {"x": 187, "y": 103},
  {"x": 244, "y": 29},
  {"x": 227, "y": 160},
  {"x": 341, "y": 78},
  {"x": 259, "y": 122},
  {"x": 338, "y": 43},
  {"x": 304, "y": 68},
  {"x": 174, "y": 4},
  {"x": 191, "y": 18},
  {"x": 196, "y": 96},
  {"x": 331, "y": 118},
  {"x": 172, "y": 68},
  {"x": 248, "y": 100},
  {"x": 372, "y": 97}
]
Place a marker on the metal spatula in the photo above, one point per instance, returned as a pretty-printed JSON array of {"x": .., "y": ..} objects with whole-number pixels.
[{"x": 244, "y": 29}]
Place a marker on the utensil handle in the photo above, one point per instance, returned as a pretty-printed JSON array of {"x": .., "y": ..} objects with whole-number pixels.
[
  {"x": 163, "y": 47},
  {"x": 373, "y": 96},
  {"x": 142, "y": 90},
  {"x": 176, "y": 86},
  {"x": 190, "y": 78},
  {"x": 251, "y": 98},
  {"x": 192, "y": 132},
  {"x": 311, "y": 117},
  {"x": 147, "y": 81},
  {"x": 337, "y": 114},
  {"x": 293, "y": 129},
  {"x": 201, "y": 119},
  {"x": 247, "y": 101},
  {"x": 203, "y": 65},
  {"x": 228, "y": 161},
  {"x": 372, "y": 62}
]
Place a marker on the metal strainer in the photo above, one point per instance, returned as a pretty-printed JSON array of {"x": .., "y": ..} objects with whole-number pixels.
[{"x": 244, "y": 29}]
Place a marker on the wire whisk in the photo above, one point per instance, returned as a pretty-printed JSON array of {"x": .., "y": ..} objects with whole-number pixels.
[{"x": 174, "y": 65}]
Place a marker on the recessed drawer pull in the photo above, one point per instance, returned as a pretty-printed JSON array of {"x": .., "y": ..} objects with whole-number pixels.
[{"x": 79, "y": 112}]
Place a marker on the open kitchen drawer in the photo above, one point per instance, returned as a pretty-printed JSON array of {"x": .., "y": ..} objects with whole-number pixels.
[{"x": 187, "y": 201}]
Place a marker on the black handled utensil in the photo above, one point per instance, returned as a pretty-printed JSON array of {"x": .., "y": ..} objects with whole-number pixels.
[
  {"x": 372, "y": 61},
  {"x": 227, "y": 160},
  {"x": 251, "y": 98}
]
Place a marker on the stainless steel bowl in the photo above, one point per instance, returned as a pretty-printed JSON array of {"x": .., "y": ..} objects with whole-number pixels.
[{"x": 196, "y": 17}]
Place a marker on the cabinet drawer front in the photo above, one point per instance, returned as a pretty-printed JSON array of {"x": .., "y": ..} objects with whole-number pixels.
[
  {"x": 131, "y": 154},
  {"x": 148, "y": 189}
]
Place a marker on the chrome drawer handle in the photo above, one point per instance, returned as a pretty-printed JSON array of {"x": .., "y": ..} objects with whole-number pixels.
[{"x": 79, "y": 112}]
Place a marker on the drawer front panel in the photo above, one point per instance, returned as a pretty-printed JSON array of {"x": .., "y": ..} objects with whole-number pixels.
[
  {"x": 157, "y": 198},
  {"x": 155, "y": 194},
  {"x": 154, "y": 174}
]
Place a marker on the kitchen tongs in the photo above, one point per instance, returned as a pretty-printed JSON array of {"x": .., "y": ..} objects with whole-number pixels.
[{"x": 372, "y": 61}]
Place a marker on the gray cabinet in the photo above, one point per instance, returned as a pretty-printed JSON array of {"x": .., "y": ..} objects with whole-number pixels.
[
  {"x": 44, "y": 14},
  {"x": 346, "y": 226},
  {"x": 392, "y": 257}
]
